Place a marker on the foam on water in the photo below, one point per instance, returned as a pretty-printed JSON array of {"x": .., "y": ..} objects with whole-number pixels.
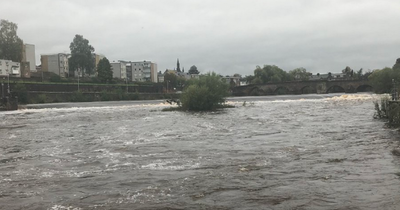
[
  {"x": 170, "y": 165},
  {"x": 61, "y": 207},
  {"x": 93, "y": 108},
  {"x": 357, "y": 97}
]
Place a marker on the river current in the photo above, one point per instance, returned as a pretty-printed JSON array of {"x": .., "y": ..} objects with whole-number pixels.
[{"x": 291, "y": 152}]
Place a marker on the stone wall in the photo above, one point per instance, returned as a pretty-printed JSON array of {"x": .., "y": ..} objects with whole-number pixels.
[{"x": 154, "y": 88}]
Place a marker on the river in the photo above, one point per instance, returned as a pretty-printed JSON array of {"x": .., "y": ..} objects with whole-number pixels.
[{"x": 277, "y": 152}]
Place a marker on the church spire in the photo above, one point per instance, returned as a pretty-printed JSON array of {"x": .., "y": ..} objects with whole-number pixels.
[{"x": 178, "y": 68}]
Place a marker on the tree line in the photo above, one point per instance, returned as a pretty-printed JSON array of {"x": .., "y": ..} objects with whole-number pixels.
[
  {"x": 81, "y": 60},
  {"x": 383, "y": 80},
  {"x": 272, "y": 73}
]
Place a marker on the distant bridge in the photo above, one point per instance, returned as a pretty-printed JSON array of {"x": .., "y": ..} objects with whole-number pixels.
[{"x": 304, "y": 87}]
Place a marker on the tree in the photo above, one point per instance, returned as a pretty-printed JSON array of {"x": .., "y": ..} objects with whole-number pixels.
[
  {"x": 81, "y": 56},
  {"x": 10, "y": 43},
  {"x": 382, "y": 80},
  {"x": 249, "y": 79},
  {"x": 104, "y": 71},
  {"x": 329, "y": 75},
  {"x": 359, "y": 74},
  {"x": 205, "y": 94},
  {"x": 193, "y": 70},
  {"x": 300, "y": 74},
  {"x": 348, "y": 72},
  {"x": 270, "y": 73},
  {"x": 397, "y": 65},
  {"x": 170, "y": 80}
]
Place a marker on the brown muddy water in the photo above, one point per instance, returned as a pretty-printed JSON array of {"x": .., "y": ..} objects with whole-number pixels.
[{"x": 318, "y": 152}]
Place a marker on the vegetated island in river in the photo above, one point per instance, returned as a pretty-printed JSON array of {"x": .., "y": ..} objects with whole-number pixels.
[{"x": 204, "y": 94}]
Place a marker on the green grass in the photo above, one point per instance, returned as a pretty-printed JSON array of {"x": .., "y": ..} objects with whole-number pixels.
[{"x": 76, "y": 83}]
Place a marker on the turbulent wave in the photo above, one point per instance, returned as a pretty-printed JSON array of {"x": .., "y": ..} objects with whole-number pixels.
[{"x": 358, "y": 97}]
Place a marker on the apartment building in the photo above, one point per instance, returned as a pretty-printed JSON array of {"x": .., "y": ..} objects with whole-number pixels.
[
  {"x": 143, "y": 71},
  {"x": 119, "y": 69},
  {"x": 29, "y": 57},
  {"x": 97, "y": 58},
  {"x": 10, "y": 68},
  {"x": 56, "y": 63}
]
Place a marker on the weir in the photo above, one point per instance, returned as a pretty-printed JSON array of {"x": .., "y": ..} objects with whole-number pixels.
[{"x": 303, "y": 87}]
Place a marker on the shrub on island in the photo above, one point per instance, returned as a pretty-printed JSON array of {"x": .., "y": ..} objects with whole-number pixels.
[{"x": 204, "y": 94}]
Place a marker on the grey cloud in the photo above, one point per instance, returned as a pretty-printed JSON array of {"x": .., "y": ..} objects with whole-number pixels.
[{"x": 224, "y": 36}]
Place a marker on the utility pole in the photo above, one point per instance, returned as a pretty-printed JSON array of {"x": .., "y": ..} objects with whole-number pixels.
[
  {"x": 126, "y": 82},
  {"x": 78, "y": 77},
  {"x": 8, "y": 83},
  {"x": 2, "y": 88},
  {"x": 394, "y": 91},
  {"x": 167, "y": 85}
]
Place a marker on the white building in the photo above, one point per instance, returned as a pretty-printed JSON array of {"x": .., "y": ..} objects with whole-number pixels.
[
  {"x": 56, "y": 63},
  {"x": 333, "y": 76},
  {"x": 8, "y": 67},
  {"x": 28, "y": 55},
  {"x": 119, "y": 69},
  {"x": 232, "y": 80},
  {"x": 144, "y": 71}
]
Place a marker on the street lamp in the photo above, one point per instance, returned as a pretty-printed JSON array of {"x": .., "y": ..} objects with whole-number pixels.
[
  {"x": 126, "y": 82},
  {"x": 167, "y": 85},
  {"x": 2, "y": 88},
  {"x": 78, "y": 77},
  {"x": 8, "y": 85}
]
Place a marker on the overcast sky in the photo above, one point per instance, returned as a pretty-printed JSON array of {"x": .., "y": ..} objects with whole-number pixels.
[{"x": 225, "y": 36}]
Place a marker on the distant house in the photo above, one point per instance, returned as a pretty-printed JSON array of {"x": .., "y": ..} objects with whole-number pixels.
[
  {"x": 232, "y": 80},
  {"x": 243, "y": 82},
  {"x": 333, "y": 76},
  {"x": 10, "y": 68},
  {"x": 194, "y": 76},
  {"x": 318, "y": 76},
  {"x": 160, "y": 77},
  {"x": 181, "y": 74}
]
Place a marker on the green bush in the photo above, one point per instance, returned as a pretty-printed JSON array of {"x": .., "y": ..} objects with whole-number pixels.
[
  {"x": 55, "y": 78},
  {"x": 381, "y": 107},
  {"x": 20, "y": 91},
  {"x": 78, "y": 97},
  {"x": 105, "y": 96},
  {"x": 393, "y": 114},
  {"x": 120, "y": 94},
  {"x": 95, "y": 80},
  {"x": 42, "y": 98},
  {"x": 134, "y": 96},
  {"x": 204, "y": 94}
]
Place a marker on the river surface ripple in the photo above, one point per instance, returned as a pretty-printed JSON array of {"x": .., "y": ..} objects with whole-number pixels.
[{"x": 274, "y": 153}]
